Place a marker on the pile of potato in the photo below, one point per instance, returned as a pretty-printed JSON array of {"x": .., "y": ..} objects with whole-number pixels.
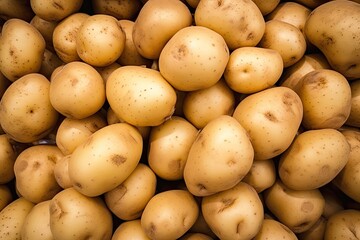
[{"x": 179, "y": 119}]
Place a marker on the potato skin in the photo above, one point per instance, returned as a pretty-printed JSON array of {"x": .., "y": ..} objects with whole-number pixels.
[
  {"x": 130, "y": 230},
  {"x": 354, "y": 117},
  {"x": 55, "y": 10},
  {"x": 272, "y": 229},
  {"x": 7, "y": 159},
  {"x": 342, "y": 225}
]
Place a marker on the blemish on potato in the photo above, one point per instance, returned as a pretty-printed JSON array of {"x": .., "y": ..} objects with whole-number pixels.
[
  {"x": 151, "y": 230},
  {"x": 181, "y": 52},
  {"x": 175, "y": 166},
  {"x": 56, "y": 210},
  {"x": 22, "y": 166},
  {"x": 36, "y": 165},
  {"x": 78, "y": 185},
  {"x": 58, "y": 6},
  {"x": 228, "y": 202},
  {"x": 271, "y": 117},
  {"x": 307, "y": 207},
  {"x": 239, "y": 226},
  {"x": 118, "y": 159}
]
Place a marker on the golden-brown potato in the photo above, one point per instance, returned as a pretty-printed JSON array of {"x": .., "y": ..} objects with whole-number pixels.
[
  {"x": 343, "y": 225},
  {"x": 354, "y": 117},
  {"x": 7, "y": 159},
  {"x": 261, "y": 175},
  {"x": 46, "y": 28},
  {"x": 120, "y": 9},
  {"x": 61, "y": 172},
  {"x": 311, "y": 3},
  {"x": 266, "y": 6},
  {"x": 240, "y": 23},
  {"x": 49, "y": 63},
  {"x": 317, "y": 231},
  {"x": 130, "y": 230},
  {"x": 16, "y": 9},
  {"x": 273, "y": 229},
  {"x": 55, "y": 10},
  {"x": 6, "y": 196}
]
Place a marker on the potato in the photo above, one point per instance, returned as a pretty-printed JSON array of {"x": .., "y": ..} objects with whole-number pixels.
[
  {"x": 77, "y": 90},
  {"x": 343, "y": 225},
  {"x": 299, "y": 210},
  {"x": 27, "y": 117},
  {"x": 76, "y": 216},
  {"x": 348, "y": 178},
  {"x": 314, "y": 159},
  {"x": 140, "y": 96},
  {"x": 195, "y": 236},
  {"x": 18, "y": 56},
  {"x": 286, "y": 39},
  {"x": 61, "y": 172},
  {"x": 240, "y": 23},
  {"x": 334, "y": 202},
  {"x": 219, "y": 158},
  {"x": 16, "y": 9},
  {"x": 273, "y": 229},
  {"x": 131, "y": 230},
  {"x": 37, "y": 223},
  {"x": 46, "y": 28},
  {"x": 266, "y": 6},
  {"x": 156, "y": 23},
  {"x": 201, "y": 226},
  {"x": 49, "y": 63},
  {"x": 331, "y": 27},
  {"x": 7, "y": 159},
  {"x": 354, "y": 117},
  {"x": 72, "y": 132},
  {"x": 326, "y": 98},
  {"x": 64, "y": 37},
  {"x": 128, "y": 200},
  {"x": 123, "y": 9},
  {"x": 55, "y": 10},
  {"x": 12, "y": 218},
  {"x": 162, "y": 217},
  {"x": 271, "y": 118},
  {"x": 262, "y": 175},
  {"x": 106, "y": 71},
  {"x": 169, "y": 146},
  {"x": 34, "y": 172},
  {"x": 105, "y": 159},
  {"x": 202, "y": 106},
  {"x": 311, "y": 3},
  {"x": 194, "y": 58},
  {"x": 6, "y": 196},
  {"x": 315, "y": 232},
  {"x": 252, "y": 69},
  {"x": 239, "y": 207}
]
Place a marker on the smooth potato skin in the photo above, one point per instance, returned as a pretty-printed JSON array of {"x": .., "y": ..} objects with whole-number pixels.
[
  {"x": 7, "y": 159},
  {"x": 131, "y": 230},
  {"x": 343, "y": 225},
  {"x": 272, "y": 229},
  {"x": 55, "y": 10},
  {"x": 6, "y": 196},
  {"x": 354, "y": 117}
]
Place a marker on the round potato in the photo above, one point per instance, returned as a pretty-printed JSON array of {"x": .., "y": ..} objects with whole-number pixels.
[
  {"x": 76, "y": 216},
  {"x": 271, "y": 118},
  {"x": 21, "y": 49},
  {"x": 202, "y": 106},
  {"x": 219, "y": 158},
  {"x": 354, "y": 117},
  {"x": 105, "y": 159},
  {"x": 77, "y": 90},
  {"x": 156, "y": 23},
  {"x": 262, "y": 175},
  {"x": 128, "y": 200},
  {"x": 252, "y": 69},
  {"x": 27, "y": 117},
  {"x": 343, "y": 225},
  {"x": 6, "y": 196},
  {"x": 326, "y": 98},
  {"x": 55, "y": 10},
  {"x": 140, "y": 96},
  {"x": 314, "y": 159},
  {"x": 162, "y": 217},
  {"x": 120, "y": 9},
  {"x": 194, "y": 58},
  {"x": 130, "y": 230},
  {"x": 239, "y": 207},
  {"x": 240, "y": 23},
  {"x": 7, "y": 159},
  {"x": 61, "y": 172},
  {"x": 272, "y": 229},
  {"x": 169, "y": 146}
]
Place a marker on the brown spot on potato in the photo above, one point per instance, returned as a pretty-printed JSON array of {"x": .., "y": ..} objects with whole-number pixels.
[
  {"x": 22, "y": 165},
  {"x": 307, "y": 207},
  {"x": 58, "y": 6},
  {"x": 118, "y": 159},
  {"x": 36, "y": 165},
  {"x": 52, "y": 158},
  {"x": 201, "y": 187},
  {"x": 239, "y": 226},
  {"x": 219, "y": 3},
  {"x": 181, "y": 52},
  {"x": 151, "y": 230},
  {"x": 270, "y": 116},
  {"x": 175, "y": 166},
  {"x": 226, "y": 203},
  {"x": 327, "y": 40},
  {"x": 231, "y": 162},
  {"x": 78, "y": 185},
  {"x": 319, "y": 83},
  {"x": 56, "y": 209},
  {"x": 74, "y": 81},
  {"x": 250, "y": 36}
]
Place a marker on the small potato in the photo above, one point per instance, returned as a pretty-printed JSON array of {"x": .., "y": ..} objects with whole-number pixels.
[
  {"x": 156, "y": 23},
  {"x": 317, "y": 231},
  {"x": 61, "y": 172},
  {"x": 163, "y": 218},
  {"x": 252, "y": 69},
  {"x": 240, "y": 23},
  {"x": 128, "y": 200},
  {"x": 272, "y": 118},
  {"x": 219, "y": 158},
  {"x": 7, "y": 159},
  {"x": 6, "y": 196},
  {"x": 34, "y": 172},
  {"x": 272, "y": 229},
  {"x": 105, "y": 159},
  {"x": 131, "y": 230},
  {"x": 266, "y": 6},
  {"x": 354, "y": 117},
  {"x": 194, "y": 58},
  {"x": 64, "y": 37},
  {"x": 72, "y": 132},
  {"x": 343, "y": 225},
  {"x": 77, "y": 90},
  {"x": 314, "y": 159},
  {"x": 16, "y": 9},
  {"x": 298, "y": 210},
  {"x": 239, "y": 207},
  {"x": 202, "y": 106},
  {"x": 55, "y": 10},
  {"x": 286, "y": 39},
  {"x": 326, "y": 98},
  {"x": 46, "y": 28},
  {"x": 27, "y": 117},
  {"x": 169, "y": 146},
  {"x": 49, "y": 63},
  {"x": 76, "y": 216},
  {"x": 262, "y": 175},
  {"x": 21, "y": 49},
  {"x": 37, "y": 223},
  {"x": 140, "y": 96},
  {"x": 12, "y": 218},
  {"x": 106, "y": 71},
  {"x": 120, "y": 9}
]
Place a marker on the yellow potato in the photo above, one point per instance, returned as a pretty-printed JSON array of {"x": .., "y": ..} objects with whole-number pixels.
[
  {"x": 219, "y": 158},
  {"x": 49, "y": 63},
  {"x": 266, "y": 6},
  {"x": 55, "y": 10},
  {"x": 354, "y": 117},
  {"x": 46, "y": 28},
  {"x": 6, "y": 196},
  {"x": 130, "y": 230},
  {"x": 272, "y": 229},
  {"x": 262, "y": 175},
  {"x": 16, "y": 9},
  {"x": 61, "y": 172},
  {"x": 120, "y": 9},
  {"x": 7, "y": 159},
  {"x": 315, "y": 232},
  {"x": 343, "y": 225}
]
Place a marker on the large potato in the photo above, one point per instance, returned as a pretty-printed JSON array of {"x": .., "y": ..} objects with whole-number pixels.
[
  {"x": 234, "y": 214},
  {"x": 271, "y": 118},
  {"x": 27, "y": 117},
  {"x": 169, "y": 214},
  {"x": 354, "y": 117},
  {"x": 333, "y": 28},
  {"x": 55, "y": 10},
  {"x": 105, "y": 159},
  {"x": 7, "y": 159},
  {"x": 194, "y": 58},
  {"x": 140, "y": 96},
  {"x": 240, "y": 23},
  {"x": 219, "y": 158},
  {"x": 343, "y": 225},
  {"x": 314, "y": 159},
  {"x": 21, "y": 49}
]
